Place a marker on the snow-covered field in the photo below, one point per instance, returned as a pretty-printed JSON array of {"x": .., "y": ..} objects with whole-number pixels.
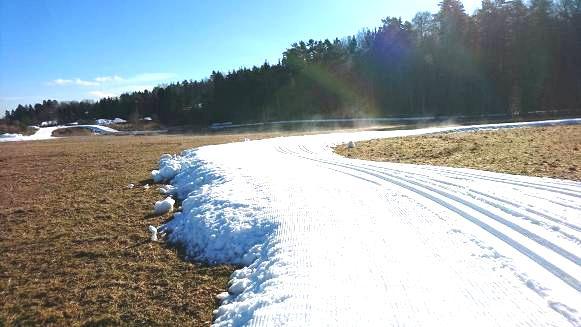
[
  {"x": 327, "y": 240},
  {"x": 45, "y": 133}
]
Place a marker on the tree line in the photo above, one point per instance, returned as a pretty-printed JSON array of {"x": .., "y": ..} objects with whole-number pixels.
[{"x": 508, "y": 58}]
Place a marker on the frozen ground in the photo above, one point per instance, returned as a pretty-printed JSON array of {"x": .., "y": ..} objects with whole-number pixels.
[
  {"x": 45, "y": 133},
  {"x": 330, "y": 241}
]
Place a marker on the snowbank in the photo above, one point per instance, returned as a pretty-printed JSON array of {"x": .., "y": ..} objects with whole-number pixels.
[{"x": 218, "y": 222}]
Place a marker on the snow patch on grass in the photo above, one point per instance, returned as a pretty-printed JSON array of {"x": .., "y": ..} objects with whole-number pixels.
[{"x": 221, "y": 220}]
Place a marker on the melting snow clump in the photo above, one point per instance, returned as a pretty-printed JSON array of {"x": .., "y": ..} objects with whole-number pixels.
[
  {"x": 169, "y": 166},
  {"x": 164, "y": 206},
  {"x": 153, "y": 232}
]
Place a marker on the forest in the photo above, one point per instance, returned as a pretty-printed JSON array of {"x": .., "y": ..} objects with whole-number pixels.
[{"x": 508, "y": 58}]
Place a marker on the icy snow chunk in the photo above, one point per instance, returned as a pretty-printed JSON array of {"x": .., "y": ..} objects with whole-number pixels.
[
  {"x": 222, "y": 296},
  {"x": 164, "y": 206},
  {"x": 153, "y": 232},
  {"x": 239, "y": 286},
  {"x": 167, "y": 189},
  {"x": 169, "y": 166}
]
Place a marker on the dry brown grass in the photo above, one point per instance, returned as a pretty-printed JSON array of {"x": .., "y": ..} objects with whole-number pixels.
[
  {"x": 74, "y": 236},
  {"x": 547, "y": 151},
  {"x": 72, "y": 131}
]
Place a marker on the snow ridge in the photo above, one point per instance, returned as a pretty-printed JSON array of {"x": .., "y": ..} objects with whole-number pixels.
[{"x": 218, "y": 222}]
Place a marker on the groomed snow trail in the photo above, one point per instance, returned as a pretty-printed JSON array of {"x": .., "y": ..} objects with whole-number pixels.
[{"x": 331, "y": 241}]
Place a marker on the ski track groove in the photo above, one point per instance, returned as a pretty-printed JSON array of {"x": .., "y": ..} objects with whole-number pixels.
[{"x": 570, "y": 280}]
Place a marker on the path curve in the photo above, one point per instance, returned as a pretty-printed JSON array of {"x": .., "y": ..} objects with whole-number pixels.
[{"x": 328, "y": 241}]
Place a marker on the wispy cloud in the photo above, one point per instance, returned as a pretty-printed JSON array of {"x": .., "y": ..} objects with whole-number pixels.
[
  {"x": 106, "y": 79},
  {"x": 60, "y": 81},
  {"x": 85, "y": 83},
  {"x": 76, "y": 81},
  {"x": 114, "y": 85}
]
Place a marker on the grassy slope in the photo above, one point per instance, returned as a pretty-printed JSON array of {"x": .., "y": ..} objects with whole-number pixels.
[{"x": 547, "y": 151}]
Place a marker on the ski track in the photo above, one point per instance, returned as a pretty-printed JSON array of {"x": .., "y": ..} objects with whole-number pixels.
[{"x": 326, "y": 241}]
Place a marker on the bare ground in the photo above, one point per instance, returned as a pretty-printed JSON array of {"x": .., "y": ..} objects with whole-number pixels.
[
  {"x": 537, "y": 151},
  {"x": 72, "y": 131}
]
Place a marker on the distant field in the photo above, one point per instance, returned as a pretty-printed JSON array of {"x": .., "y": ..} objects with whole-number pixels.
[{"x": 545, "y": 152}]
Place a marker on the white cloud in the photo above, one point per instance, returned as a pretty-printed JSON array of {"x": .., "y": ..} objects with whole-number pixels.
[
  {"x": 76, "y": 81},
  {"x": 116, "y": 80},
  {"x": 60, "y": 81},
  {"x": 80, "y": 82},
  {"x": 105, "y": 79},
  {"x": 115, "y": 85}
]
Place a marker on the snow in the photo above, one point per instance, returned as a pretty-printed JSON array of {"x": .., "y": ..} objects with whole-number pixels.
[
  {"x": 326, "y": 240},
  {"x": 49, "y": 123},
  {"x": 153, "y": 232},
  {"x": 10, "y": 136},
  {"x": 169, "y": 166},
  {"x": 105, "y": 122},
  {"x": 45, "y": 133},
  {"x": 164, "y": 206}
]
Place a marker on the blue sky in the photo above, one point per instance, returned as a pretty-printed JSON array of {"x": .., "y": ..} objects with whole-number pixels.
[{"x": 74, "y": 50}]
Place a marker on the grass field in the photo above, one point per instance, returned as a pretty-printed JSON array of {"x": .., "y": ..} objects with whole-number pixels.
[
  {"x": 539, "y": 151},
  {"x": 74, "y": 242}
]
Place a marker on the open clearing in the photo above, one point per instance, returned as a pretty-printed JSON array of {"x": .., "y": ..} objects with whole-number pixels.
[{"x": 543, "y": 151}]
